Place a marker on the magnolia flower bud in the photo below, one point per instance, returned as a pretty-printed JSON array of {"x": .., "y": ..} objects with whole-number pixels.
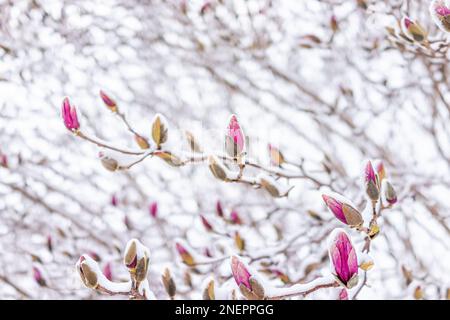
[
  {"x": 440, "y": 14},
  {"x": 193, "y": 142},
  {"x": 49, "y": 243},
  {"x": 141, "y": 141},
  {"x": 207, "y": 6},
  {"x": 110, "y": 103},
  {"x": 217, "y": 168},
  {"x": 159, "y": 130},
  {"x": 234, "y": 217},
  {"x": 418, "y": 293},
  {"x": 344, "y": 262},
  {"x": 281, "y": 275},
  {"x": 333, "y": 23},
  {"x": 276, "y": 157},
  {"x": 206, "y": 223},
  {"x": 114, "y": 200},
  {"x": 86, "y": 268},
  {"x": 208, "y": 291},
  {"x": 169, "y": 158},
  {"x": 69, "y": 115},
  {"x": 219, "y": 209},
  {"x": 169, "y": 284},
  {"x": 235, "y": 138},
  {"x": 136, "y": 259},
  {"x": 343, "y": 211},
  {"x": 274, "y": 188},
  {"x": 389, "y": 193},
  {"x": 107, "y": 271},
  {"x": 95, "y": 256},
  {"x": 240, "y": 243},
  {"x": 371, "y": 182},
  {"x": 381, "y": 171},
  {"x": 37, "y": 275},
  {"x": 108, "y": 162},
  {"x": 153, "y": 209},
  {"x": 186, "y": 257},
  {"x": 343, "y": 295},
  {"x": 412, "y": 30},
  {"x": 250, "y": 287},
  {"x": 3, "y": 160}
]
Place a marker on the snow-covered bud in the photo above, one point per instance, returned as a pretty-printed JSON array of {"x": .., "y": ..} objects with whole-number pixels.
[
  {"x": 208, "y": 291},
  {"x": 343, "y": 210},
  {"x": 371, "y": 182},
  {"x": 235, "y": 138},
  {"x": 206, "y": 7},
  {"x": 136, "y": 259},
  {"x": 440, "y": 13},
  {"x": 219, "y": 209},
  {"x": 343, "y": 295},
  {"x": 109, "y": 163},
  {"x": 217, "y": 168},
  {"x": 365, "y": 262},
  {"x": 250, "y": 287},
  {"x": 69, "y": 115},
  {"x": 344, "y": 262},
  {"x": 87, "y": 269},
  {"x": 107, "y": 271},
  {"x": 193, "y": 144},
  {"x": 235, "y": 218},
  {"x": 169, "y": 283},
  {"x": 362, "y": 4},
  {"x": 38, "y": 277},
  {"x": 412, "y": 30},
  {"x": 276, "y": 157},
  {"x": 238, "y": 241},
  {"x": 169, "y": 158},
  {"x": 389, "y": 193},
  {"x": 274, "y": 188},
  {"x": 141, "y": 141},
  {"x": 206, "y": 223},
  {"x": 159, "y": 130},
  {"x": 108, "y": 101},
  {"x": 185, "y": 256}
]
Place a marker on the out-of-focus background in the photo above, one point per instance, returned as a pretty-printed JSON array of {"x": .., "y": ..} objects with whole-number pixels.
[{"x": 324, "y": 81}]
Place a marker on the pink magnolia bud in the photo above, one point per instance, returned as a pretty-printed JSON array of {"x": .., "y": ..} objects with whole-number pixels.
[
  {"x": 205, "y": 7},
  {"x": 207, "y": 252},
  {"x": 110, "y": 103},
  {"x": 235, "y": 138},
  {"x": 186, "y": 257},
  {"x": 219, "y": 209},
  {"x": 240, "y": 273},
  {"x": 107, "y": 271},
  {"x": 95, "y": 256},
  {"x": 343, "y": 258},
  {"x": 234, "y": 217},
  {"x": 87, "y": 270},
  {"x": 153, "y": 209},
  {"x": 333, "y": 23},
  {"x": 371, "y": 182},
  {"x": 114, "y": 200},
  {"x": 343, "y": 211},
  {"x": 412, "y": 30},
  {"x": 37, "y": 275},
  {"x": 389, "y": 193},
  {"x": 206, "y": 223},
  {"x": 69, "y": 115},
  {"x": 3, "y": 161},
  {"x": 343, "y": 295},
  {"x": 248, "y": 284},
  {"x": 440, "y": 14}
]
